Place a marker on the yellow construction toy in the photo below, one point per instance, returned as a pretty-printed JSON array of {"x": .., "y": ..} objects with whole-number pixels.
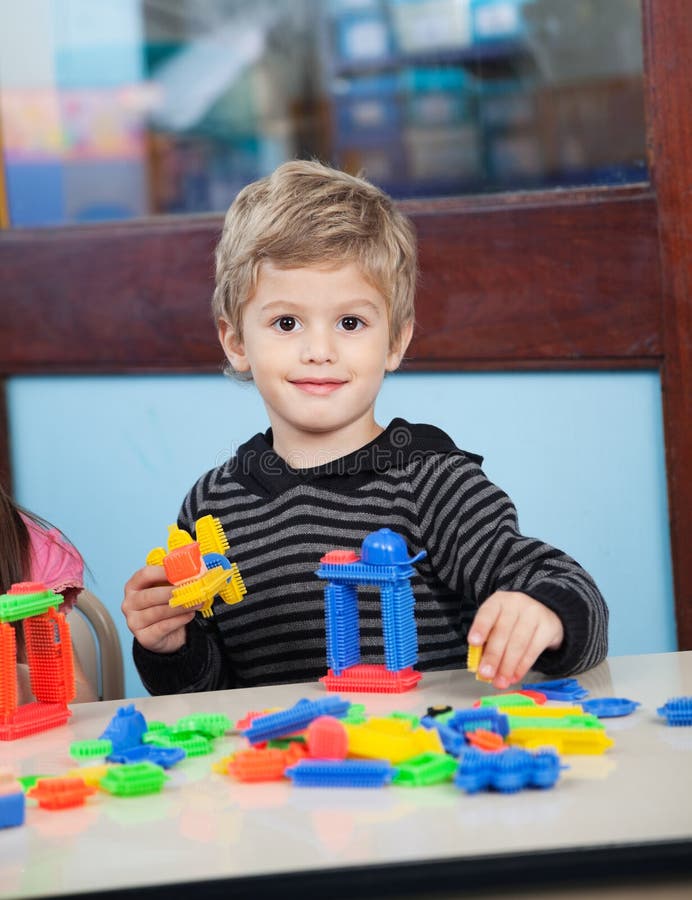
[
  {"x": 473, "y": 660},
  {"x": 198, "y": 568}
]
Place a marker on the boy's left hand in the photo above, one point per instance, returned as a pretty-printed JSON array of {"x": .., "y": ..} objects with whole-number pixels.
[{"x": 515, "y": 629}]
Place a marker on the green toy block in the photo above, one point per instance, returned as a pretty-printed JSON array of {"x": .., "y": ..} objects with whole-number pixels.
[
  {"x": 208, "y": 724},
  {"x": 134, "y": 779},
  {"x": 90, "y": 749},
  {"x": 428, "y": 768},
  {"x": 16, "y": 607},
  {"x": 508, "y": 700}
]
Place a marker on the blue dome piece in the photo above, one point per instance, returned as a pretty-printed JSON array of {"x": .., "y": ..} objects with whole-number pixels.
[{"x": 387, "y": 548}]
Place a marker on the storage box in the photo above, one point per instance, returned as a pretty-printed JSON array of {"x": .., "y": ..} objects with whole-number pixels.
[
  {"x": 367, "y": 105},
  {"x": 451, "y": 153},
  {"x": 438, "y": 96},
  {"x": 497, "y": 20},
  {"x": 424, "y": 25}
]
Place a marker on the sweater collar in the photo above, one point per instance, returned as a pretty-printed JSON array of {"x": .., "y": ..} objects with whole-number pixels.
[{"x": 263, "y": 471}]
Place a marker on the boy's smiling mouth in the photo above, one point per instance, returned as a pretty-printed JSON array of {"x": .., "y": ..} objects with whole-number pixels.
[{"x": 320, "y": 386}]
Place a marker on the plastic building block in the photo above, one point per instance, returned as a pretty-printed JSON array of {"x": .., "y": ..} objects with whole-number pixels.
[
  {"x": 413, "y": 720},
  {"x": 192, "y": 742},
  {"x": 12, "y": 803},
  {"x": 90, "y": 749},
  {"x": 60, "y": 793},
  {"x": 383, "y": 562},
  {"x": 125, "y": 729},
  {"x": 473, "y": 659},
  {"x": 564, "y": 740},
  {"x": 558, "y": 689},
  {"x": 489, "y": 741},
  {"x": 355, "y": 773},
  {"x": 90, "y": 775},
  {"x": 26, "y": 599},
  {"x": 577, "y": 720},
  {"x": 538, "y": 696},
  {"x": 264, "y": 765},
  {"x": 677, "y": 711},
  {"x": 504, "y": 701},
  {"x": 488, "y": 718},
  {"x": 426, "y": 769},
  {"x": 381, "y": 739},
  {"x": 49, "y": 655},
  {"x": 452, "y": 740},
  {"x": 546, "y": 712},
  {"x": 610, "y": 707},
  {"x": 356, "y": 714},
  {"x": 371, "y": 679},
  {"x": 160, "y": 756},
  {"x": 211, "y": 725},
  {"x": 198, "y": 568},
  {"x": 508, "y": 772},
  {"x": 439, "y": 712},
  {"x": 12, "y": 809},
  {"x": 134, "y": 779},
  {"x": 327, "y": 738},
  {"x": 296, "y": 718},
  {"x": 33, "y": 718}
]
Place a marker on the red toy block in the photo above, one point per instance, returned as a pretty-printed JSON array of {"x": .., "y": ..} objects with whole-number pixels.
[
  {"x": 8, "y": 670},
  {"x": 327, "y": 738},
  {"x": 486, "y": 740},
  {"x": 183, "y": 563},
  {"x": 371, "y": 679},
  {"x": 60, "y": 793},
  {"x": 49, "y": 654},
  {"x": 33, "y": 718}
]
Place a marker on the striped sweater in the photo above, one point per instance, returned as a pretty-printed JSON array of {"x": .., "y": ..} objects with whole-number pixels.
[{"x": 280, "y": 521}]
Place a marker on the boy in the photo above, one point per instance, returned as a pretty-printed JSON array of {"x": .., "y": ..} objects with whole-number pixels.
[{"x": 315, "y": 277}]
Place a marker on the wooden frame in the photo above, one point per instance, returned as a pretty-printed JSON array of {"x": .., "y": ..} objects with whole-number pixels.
[{"x": 591, "y": 278}]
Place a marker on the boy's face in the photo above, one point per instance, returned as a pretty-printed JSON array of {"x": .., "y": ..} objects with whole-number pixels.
[{"x": 316, "y": 341}]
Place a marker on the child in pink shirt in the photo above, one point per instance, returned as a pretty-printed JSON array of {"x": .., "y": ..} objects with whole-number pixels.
[{"x": 31, "y": 550}]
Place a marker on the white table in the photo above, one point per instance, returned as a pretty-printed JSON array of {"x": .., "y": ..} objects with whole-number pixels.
[{"x": 628, "y": 812}]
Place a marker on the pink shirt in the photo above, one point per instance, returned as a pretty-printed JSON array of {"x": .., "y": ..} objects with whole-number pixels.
[{"x": 54, "y": 561}]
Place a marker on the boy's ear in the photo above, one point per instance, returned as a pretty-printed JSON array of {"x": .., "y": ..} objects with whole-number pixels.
[
  {"x": 396, "y": 353},
  {"x": 233, "y": 347}
]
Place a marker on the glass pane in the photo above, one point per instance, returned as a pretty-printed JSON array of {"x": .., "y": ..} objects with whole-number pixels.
[{"x": 126, "y": 108}]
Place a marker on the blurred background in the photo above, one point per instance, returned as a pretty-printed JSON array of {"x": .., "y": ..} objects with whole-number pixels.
[{"x": 125, "y": 108}]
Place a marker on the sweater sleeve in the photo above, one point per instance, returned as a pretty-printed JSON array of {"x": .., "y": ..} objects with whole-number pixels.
[
  {"x": 200, "y": 664},
  {"x": 197, "y": 666},
  {"x": 469, "y": 527}
]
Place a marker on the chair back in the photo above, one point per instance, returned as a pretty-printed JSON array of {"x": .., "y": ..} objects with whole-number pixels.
[{"x": 95, "y": 638}]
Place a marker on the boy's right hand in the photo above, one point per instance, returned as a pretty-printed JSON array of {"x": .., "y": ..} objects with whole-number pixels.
[{"x": 156, "y": 625}]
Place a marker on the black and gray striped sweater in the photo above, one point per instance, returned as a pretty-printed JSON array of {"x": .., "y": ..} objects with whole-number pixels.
[{"x": 280, "y": 521}]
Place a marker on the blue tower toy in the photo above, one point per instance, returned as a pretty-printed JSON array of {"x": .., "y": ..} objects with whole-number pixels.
[{"x": 384, "y": 563}]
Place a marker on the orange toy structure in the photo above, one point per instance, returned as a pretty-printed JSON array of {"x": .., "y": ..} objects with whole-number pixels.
[
  {"x": 198, "y": 568},
  {"x": 49, "y": 654}
]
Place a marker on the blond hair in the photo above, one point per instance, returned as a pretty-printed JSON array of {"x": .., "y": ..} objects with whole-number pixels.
[{"x": 306, "y": 214}]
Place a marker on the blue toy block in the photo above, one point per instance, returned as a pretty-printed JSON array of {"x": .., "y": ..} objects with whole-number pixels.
[
  {"x": 296, "y": 718},
  {"x": 677, "y": 711},
  {"x": 343, "y": 627},
  {"x": 487, "y": 717},
  {"x": 452, "y": 740},
  {"x": 159, "y": 756},
  {"x": 346, "y": 773},
  {"x": 558, "y": 689},
  {"x": 12, "y": 809},
  {"x": 609, "y": 707},
  {"x": 507, "y": 771},
  {"x": 216, "y": 561},
  {"x": 125, "y": 729}
]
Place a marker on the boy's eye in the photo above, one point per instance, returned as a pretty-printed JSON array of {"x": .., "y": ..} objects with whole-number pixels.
[
  {"x": 285, "y": 323},
  {"x": 351, "y": 323}
]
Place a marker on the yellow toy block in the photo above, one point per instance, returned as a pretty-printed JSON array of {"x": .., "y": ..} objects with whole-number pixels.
[
  {"x": 202, "y": 590},
  {"x": 211, "y": 536},
  {"x": 374, "y": 742},
  {"x": 91, "y": 775},
  {"x": 235, "y": 590},
  {"x": 473, "y": 660},
  {"x": 178, "y": 537},
  {"x": 564, "y": 740},
  {"x": 547, "y": 712},
  {"x": 155, "y": 557}
]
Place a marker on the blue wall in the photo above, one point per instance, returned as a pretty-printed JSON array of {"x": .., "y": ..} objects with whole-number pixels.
[{"x": 108, "y": 460}]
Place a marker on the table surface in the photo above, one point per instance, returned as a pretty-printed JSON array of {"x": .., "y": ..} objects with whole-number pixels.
[{"x": 631, "y": 805}]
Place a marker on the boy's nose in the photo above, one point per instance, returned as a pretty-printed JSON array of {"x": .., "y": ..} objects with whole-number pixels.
[{"x": 317, "y": 347}]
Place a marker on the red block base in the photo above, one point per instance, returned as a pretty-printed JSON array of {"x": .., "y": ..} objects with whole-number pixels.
[
  {"x": 368, "y": 679},
  {"x": 31, "y": 719}
]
